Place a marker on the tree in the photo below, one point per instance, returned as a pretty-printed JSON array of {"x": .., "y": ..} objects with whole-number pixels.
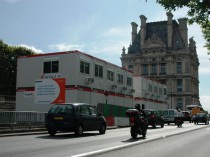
[
  {"x": 199, "y": 11},
  {"x": 8, "y": 66}
]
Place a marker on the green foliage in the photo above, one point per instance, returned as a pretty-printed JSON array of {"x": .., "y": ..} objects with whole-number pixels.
[
  {"x": 8, "y": 66},
  {"x": 199, "y": 11}
]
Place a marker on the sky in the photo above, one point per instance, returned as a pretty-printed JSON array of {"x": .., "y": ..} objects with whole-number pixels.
[{"x": 98, "y": 27}]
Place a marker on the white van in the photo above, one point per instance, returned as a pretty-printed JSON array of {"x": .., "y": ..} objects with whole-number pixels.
[{"x": 170, "y": 115}]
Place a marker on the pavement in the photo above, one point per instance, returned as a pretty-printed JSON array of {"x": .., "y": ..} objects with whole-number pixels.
[{"x": 33, "y": 131}]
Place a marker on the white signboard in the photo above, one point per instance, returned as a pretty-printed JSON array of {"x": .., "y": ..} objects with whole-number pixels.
[{"x": 49, "y": 91}]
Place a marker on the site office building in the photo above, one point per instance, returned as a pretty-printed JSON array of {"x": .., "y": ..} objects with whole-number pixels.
[{"x": 85, "y": 79}]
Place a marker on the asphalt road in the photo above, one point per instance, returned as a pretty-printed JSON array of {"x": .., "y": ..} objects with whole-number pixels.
[
  {"x": 191, "y": 144},
  {"x": 63, "y": 145}
]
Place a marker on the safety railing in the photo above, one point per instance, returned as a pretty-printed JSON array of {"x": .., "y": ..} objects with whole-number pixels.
[{"x": 20, "y": 119}]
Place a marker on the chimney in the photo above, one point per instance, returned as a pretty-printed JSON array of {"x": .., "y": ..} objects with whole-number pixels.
[
  {"x": 143, "y": 29},
  {"x": 134, "y": 31},
  {"x": 183, "y": 30},
  {"x": 169, "y": 28}
]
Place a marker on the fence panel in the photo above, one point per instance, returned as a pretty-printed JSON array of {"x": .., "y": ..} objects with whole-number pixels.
[{"x": 15, "y": 119}]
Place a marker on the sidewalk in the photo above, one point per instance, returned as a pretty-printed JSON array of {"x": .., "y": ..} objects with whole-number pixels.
[{"x": 33, "y": 131}]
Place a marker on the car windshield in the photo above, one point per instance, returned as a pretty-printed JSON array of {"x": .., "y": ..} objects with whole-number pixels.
[{"x": 62, "y": 109}]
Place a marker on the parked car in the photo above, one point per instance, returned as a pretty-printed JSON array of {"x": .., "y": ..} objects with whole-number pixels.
[
  {"x": 187, "y": 116},
  {"x": 169, "y": 115},
  {"x": 201, "y": 118},
  {"x": 75, "y": 117},
  {"x": 154, "y": 118}
]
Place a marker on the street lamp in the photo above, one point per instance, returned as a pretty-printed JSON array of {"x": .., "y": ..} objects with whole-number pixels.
[
  {"x": 170, "y": 87},
  {"x": 171, "y": 98}
]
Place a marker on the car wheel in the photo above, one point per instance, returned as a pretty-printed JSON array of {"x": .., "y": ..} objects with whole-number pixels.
[
  {"x": 168, "y": 123},
  {"x": 162, "y": 125},
  {"x": 79, "y": 131},
  {"x": 102, "y": 129},
  {"x": 52, "y": 132}
]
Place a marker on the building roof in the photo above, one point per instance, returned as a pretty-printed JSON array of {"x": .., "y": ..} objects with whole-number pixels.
[{"x": 159, "y": 29}]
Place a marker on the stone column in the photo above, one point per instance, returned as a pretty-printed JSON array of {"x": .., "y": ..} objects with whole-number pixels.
[
  {"x": 183, "y": 30},
  {"x": 143, "y": 29},
  {"x": 169, "y": 28},
  {"x": 134, "y": 31}
]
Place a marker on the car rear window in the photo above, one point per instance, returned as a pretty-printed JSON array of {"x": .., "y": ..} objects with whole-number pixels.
[
  {"x": 171, "y": 113},
  {"x": 62, "y": 109}
]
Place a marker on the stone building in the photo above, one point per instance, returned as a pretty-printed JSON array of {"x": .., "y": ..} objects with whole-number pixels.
[{"x": 160, "y": 51}]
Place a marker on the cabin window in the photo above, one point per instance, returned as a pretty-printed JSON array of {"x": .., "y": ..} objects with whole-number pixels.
[
  {"x": 150, "y": 87},
  {"x": 51, "y": 67},
  {"x": 129, "y": 81},
  {"x": 120, "y": 78},
  {"x": 110, "y": 75},
  {"x": 84, "y": 67},
  {"x": 98, "y": 70}
]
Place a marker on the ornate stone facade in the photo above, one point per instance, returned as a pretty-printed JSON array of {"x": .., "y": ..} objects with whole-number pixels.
[{"x": 160, "y": 51}]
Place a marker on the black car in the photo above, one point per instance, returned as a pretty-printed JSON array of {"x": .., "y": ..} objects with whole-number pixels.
[
  {"x": 75, "y": 117},
  {"x": 187, "y": 116},
  {"x": 154, "y": 118},
  {"x": 201, "y": 118}
]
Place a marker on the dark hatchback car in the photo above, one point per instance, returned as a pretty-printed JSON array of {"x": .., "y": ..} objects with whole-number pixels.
[
  {"x": 74, "y": 117},
  {"x": 201, "y": 118},
  {"x": 154, "y": 118},
  {"x": 187, "y": 116}
]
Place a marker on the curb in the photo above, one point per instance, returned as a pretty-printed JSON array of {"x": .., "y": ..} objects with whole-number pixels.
[{"x": 22, "y": 132}]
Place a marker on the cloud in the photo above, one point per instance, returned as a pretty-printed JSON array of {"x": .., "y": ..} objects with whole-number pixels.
[
  {"x": 204, "y": 70},
  {"x": 65, "y": 47},
  {"x": 205, "y": 102},
  {"x": 109, "y": 48},
  {"x": 31, "y": 48}
]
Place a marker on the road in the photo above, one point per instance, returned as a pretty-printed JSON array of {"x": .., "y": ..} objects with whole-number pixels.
[
  {"x": 64, "y": 145},
  {"x": 191, "y": 144}
]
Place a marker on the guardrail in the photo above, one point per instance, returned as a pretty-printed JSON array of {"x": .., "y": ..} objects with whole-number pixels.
[{"x": 20, "y": 119}]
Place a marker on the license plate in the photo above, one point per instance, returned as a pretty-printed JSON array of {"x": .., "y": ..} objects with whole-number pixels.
[{"x": 58, "y": 118}]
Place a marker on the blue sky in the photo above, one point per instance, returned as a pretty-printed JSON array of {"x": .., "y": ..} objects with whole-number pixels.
[{"x": 97, "y": 27}]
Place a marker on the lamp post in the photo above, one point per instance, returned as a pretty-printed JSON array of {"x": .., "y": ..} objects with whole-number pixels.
[
  {"x": 106, "y": 93},
  {"x": 170, "y": 87},
  {"x": 171, "y": 98}
]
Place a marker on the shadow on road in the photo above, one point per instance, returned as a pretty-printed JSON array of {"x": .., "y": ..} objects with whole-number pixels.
[
  {"x": 134, "y": 140},
  {"x": 60, "y": 136}
]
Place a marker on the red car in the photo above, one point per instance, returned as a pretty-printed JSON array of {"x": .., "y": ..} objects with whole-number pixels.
[
  {"x": 154, "y": 118},
  {"x": 187, "y": 116}
]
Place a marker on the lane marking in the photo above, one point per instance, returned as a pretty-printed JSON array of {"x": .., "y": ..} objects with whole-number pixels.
[{"x": 116, "y": 147}]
